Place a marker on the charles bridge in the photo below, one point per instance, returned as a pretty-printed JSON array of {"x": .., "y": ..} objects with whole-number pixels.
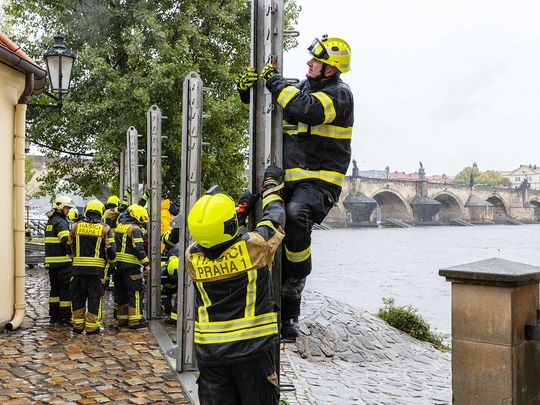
[{"x": 369, "y": 201}]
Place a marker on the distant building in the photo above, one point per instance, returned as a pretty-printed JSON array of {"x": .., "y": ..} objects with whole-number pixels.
[{"x": 529, "y": 172}]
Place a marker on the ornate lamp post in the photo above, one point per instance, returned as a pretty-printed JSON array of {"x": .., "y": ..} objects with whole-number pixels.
[{"x": 59, "y": 61}]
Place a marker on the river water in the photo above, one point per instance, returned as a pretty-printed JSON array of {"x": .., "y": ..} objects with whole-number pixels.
[{"x": 361, "y": 266}]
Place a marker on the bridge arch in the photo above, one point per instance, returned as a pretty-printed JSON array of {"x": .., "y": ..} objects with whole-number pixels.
[
  {"x": 392, "y": 204},
  {"x": 452, "y": 206},
  {"x": 500, "y": 209},
  {"x": 535, "y": 202}
]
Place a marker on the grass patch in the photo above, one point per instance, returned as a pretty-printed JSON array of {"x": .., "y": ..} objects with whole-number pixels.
[{"x": 407, "y": 319}]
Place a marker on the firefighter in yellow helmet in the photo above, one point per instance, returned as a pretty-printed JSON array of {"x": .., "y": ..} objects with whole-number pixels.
[
  {"x": 236, "y": 330},
  {"x": 113, "y": 208},
  {"x": 58, "y": 261},
  {"x": 92, "y": 245},
  {"x": 316, "y": 155},
  {"x": 169, "y": 287},
  {"x": 130, "y": 259}
]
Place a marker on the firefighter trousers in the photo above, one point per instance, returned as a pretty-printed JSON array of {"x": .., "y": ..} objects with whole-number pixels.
[
  {"x": 128, "y": 294},
  {"x": 251, "y": 383},
  {"x": 305, "y": 204},
  {"x": 59, "y": 298},
  {"x": 85, "y": 289}
]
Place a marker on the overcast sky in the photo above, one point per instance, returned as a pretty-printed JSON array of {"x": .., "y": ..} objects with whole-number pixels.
[{"x": 445, "y": 82}]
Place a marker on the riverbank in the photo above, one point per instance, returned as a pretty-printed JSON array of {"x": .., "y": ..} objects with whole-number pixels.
[{"x": 348, "y": 356}]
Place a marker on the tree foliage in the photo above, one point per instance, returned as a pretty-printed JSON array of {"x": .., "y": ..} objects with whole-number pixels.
[
  {"x": 489, "y": 177},
  {"x": 130, "y": 55}
]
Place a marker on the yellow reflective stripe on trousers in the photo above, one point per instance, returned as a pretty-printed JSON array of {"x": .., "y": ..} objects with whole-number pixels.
[
  {"x": 203, "y": 313},
  {"x": 298, "y": 174},
  {"x": 332, "y": 131},
  {"x": 245, "y": 334},
  {"x": 236, "y": 324},
  {"x": 127, "y": 258},
  {"x": 297, "y": 257},
  {"x": 65, "y": 304},
  {"x": 328, "y": 105},
  {"x": 63, "y": 234},
  {"x": 57, "y": 259},
  {"x": 88, "y": 261},
  {"x": 251, "y": 294},
  {"x": 52, "y": 239},
  {"x": 138, "y": 314},
  {"x": 286, "y": 95},
  {"x": 271, "y": 197},
  {"x": 54, "y": 299}
]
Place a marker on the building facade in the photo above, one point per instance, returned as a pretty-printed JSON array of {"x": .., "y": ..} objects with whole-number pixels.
[{"x": 531, "y": 173}]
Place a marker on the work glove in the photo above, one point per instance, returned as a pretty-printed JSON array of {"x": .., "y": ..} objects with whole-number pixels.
[
  {"x": 246, "y": 202},
  {"x": 268, "y": 71},
  {"x": 125, "y": 200},
  {"x": 146, "y": 195},
  {"x": 273, "y": 180},
  {"x": 146, "y": 270},
  {"x": 248, "y": 79}
]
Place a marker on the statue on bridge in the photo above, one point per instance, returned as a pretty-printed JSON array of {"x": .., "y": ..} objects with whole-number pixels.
[
  {"x": 355, "y": 170},
  {"x": 421, "y": 172}
]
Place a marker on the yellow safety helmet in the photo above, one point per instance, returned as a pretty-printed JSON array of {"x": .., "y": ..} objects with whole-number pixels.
[
  {"x": 332, "y": 51},
  {"x": 139, "y": 213},
  {"x": 212, "y": 220},
  {"x": 73, "y": 215},
  {"x": 63, "y": 201},
  {"x": 172, "y": 266},
  {"x": 113, "y": 201},
  {"x": 95, "y": 206}
]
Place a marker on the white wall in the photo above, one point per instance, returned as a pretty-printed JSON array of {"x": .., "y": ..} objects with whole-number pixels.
[{"x": 11, "y": 87}]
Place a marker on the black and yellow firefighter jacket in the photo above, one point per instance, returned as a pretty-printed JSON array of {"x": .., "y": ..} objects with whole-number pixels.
[
  {"x": 92, "y": 245},
  {"x": 318, "y": 147},
  {"x": 56, "y": 237},
  {"x": 236, "y": 314},
  {"x": 129, "y": 243}
]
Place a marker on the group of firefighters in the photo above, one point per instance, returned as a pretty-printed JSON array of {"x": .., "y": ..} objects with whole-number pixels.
[
  {"x": 81, "y": 253},
  {"x": 237, "y": 329}
]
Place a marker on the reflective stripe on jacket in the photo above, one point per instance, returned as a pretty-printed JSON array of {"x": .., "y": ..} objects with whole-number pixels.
[
  {"x": 129, "y": 243},
  {"x": 56, "y": 237},
  {"x": 317, "y": 144},
  {"x": 236, "y": 316},
  {"x": 91, "y": 244}
]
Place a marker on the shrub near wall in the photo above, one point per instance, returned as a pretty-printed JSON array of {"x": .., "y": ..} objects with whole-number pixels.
[{"x": 407, "y": 319}]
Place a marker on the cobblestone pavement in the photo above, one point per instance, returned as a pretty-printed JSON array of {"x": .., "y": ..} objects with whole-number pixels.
[
  {"x": 345, "y": 356},
  {"x": 43, "y": 364}
]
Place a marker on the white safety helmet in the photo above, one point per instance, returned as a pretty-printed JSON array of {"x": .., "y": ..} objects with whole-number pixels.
[{"x": 63, "y": 201}]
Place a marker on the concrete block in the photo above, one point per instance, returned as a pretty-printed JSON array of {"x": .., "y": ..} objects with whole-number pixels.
[
  {"x": 482, "y": 313},
  {"x": 481, "y": 373},
  {"x": 526, "y": 364},
  {"x": 523, "y": 311}
]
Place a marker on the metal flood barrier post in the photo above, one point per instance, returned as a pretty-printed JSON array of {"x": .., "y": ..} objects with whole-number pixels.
[
  {"x": 190, "y": 189},
  {"x": 133, "y": 163},
  {"x": 266, "y": 127},
  {"x": 153, "y": 167},
  {"x": 122, "y": 172}
]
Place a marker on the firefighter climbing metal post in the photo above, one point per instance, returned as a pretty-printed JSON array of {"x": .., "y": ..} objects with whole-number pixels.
[
  {"x": 153, "y": 288},
  {"x": 133, "y": 163},
  {"x": 190, "y": 190}
]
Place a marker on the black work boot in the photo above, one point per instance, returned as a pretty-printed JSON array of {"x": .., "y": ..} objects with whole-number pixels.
[
  {"x": 290, "y": 328},
  {"x": 140, "y": 325}
]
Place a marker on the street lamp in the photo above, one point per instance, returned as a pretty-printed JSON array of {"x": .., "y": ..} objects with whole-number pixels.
[{"x": 59, "y": 61}]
